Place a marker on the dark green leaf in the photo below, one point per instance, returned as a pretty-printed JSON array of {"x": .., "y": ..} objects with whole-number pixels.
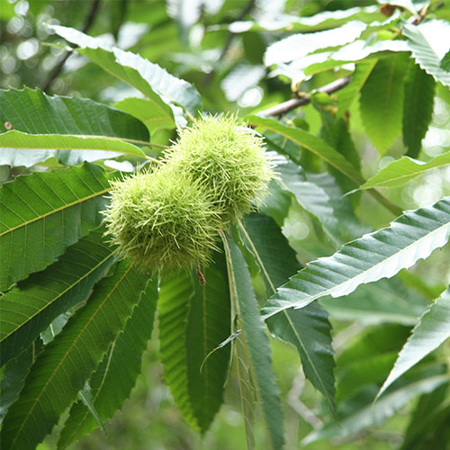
[
  {"x": 66, "y": 364},
  {"x": 309, "y": 142},
  {"x": 381, "y": 101},
  {"x": 445, "y": 62},
  {"x": 43, "y": 214},
  {"x": 115, "y": 377},
  {"x": 208, "y": 325},
  {"x": 33, "y": 112},
  {"x": 417, "y": 108},
  {"x": 255, "y": 352},
  {"x": 13, "y": 377},
  {"x": 175, "y": 295},
  {"x": 29, "y": 308}
]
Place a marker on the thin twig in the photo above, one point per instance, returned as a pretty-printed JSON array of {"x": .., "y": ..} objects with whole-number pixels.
[
  {"x": 87, "y": 25},
  {"x": 305, "y": 99}
]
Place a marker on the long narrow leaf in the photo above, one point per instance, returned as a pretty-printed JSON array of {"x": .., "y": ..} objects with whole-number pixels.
[
  {"x": 378, "y": 255},
  {"x": 417, "y": 108},
  {"x": 13, "y": 140},
  {"x": 175, "y": 294},
  {"x": 256, "y": 345},
  {"x": 311, "y": 143},
  {"x": 308, "y": 329},
  {"x": 33, "y": 112},
  {"x": 403, "y": 170},
  {"x": 209, "y": 324},
  {"x": 115, "y": 377},
  {"x": 31, "y": 307},
  {"x": 43, "y": 214},
  {"x": 67, "y": 362},
  {"x": 152, "y": 80},
  {"x": 431, "y": 331}
]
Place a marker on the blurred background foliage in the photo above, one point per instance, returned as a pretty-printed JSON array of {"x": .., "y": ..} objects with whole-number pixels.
[{"x": 204, "y": 43}]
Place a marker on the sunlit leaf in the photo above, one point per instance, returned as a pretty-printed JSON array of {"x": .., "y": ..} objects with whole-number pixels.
[
  {"x": 43, "y": 214},
  {"x": 31, "y": 307},
  {"x": 381, "y": 254},
  {"x": 403, "y": 170},
  {"x": 428, "y": 48},
  {"x": 149, "y": 78}
]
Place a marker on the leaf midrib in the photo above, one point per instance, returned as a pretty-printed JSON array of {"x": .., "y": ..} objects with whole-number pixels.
[
  {"x": 79, "y": 280},
  {"x": 336, "y": 286},
  {"x": 54, "y": 211},
  {"x": 78, "y": 337}
]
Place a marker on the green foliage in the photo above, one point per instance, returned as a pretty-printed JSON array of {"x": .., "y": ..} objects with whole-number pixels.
[
  {"x": 62, "y": 369},
  {"x": 59, "y": 207},
  {"x": 417, "y": 108},
  {"x": 381, "y": 101},
  {"x": 163, "y": 127}
]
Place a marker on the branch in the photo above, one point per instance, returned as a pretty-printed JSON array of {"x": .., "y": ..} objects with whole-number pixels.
[
  {"x": 87, "y": 25},
  {"x": 305, "y": 99}
]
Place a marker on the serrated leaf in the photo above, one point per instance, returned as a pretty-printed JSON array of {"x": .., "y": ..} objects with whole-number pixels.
[
  {"x": 66, "y": 364},
  {"x": 381, "y": 254},
  {"x": 33, "y": 112},
  {"x": 31, "y": 307},
  {"x": 299, "y": 45},
  {"x": 399, "y": 172},
  {"x": 308, "y": 328},
  {"x": 209, "y": 324},
  {"x": 116, "y": 375},
  {"x": 347, "y": 95},
  {"x": 372, "y": 415},
  {"x": 17, "y": 148},
  {"x": 431, "y": 331},
  {"x": 417, "y": 108},
  {"x": 175, "y": 294},
  {"x": 309, "y": 142},
  {"x": 149, "y": 78},
  {"x": 195, "y": 320},
  {"x": 381, "y": 101},
  {"x": 43, "y": 214},
  {"x": 255, "y": 353},
  {"x": 428, "y": 46},
  {"x": 14, "y": 374}
]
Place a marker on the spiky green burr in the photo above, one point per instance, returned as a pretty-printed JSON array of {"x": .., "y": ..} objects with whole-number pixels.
[
  {"x": 163, "y": 220},
  {"x": 228, "y": 159}
]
